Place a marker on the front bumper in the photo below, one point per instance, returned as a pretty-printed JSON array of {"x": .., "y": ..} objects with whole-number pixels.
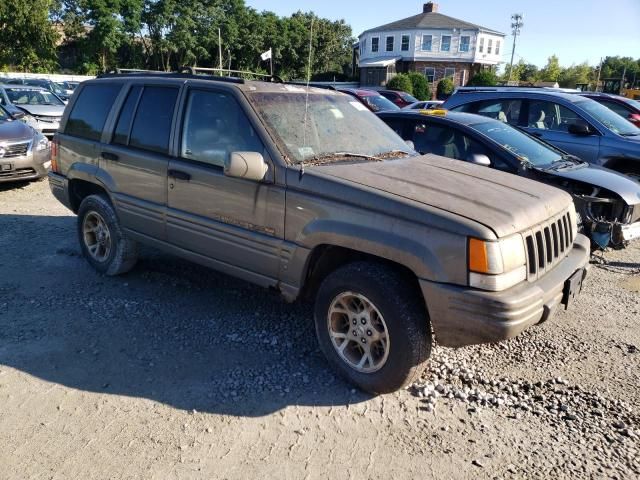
[
  {"x": 24, "y": 168},
  {"x": 465, "y": 316}
]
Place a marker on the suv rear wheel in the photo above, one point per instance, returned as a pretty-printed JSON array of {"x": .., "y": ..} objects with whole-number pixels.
[
  {"x": 372, "y": 326},
  {"x": 102, "y": 241}
]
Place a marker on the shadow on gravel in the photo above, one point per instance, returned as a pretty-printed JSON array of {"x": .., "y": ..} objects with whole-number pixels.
[
  {"x": 170, "y": 331},
  {"x": 6, "y": 186}
]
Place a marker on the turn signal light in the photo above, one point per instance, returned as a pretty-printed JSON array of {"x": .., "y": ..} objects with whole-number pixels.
[{"x": 54, "y": 154}]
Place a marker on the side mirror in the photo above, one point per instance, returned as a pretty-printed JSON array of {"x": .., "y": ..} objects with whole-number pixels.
[
  {"x": 579, "y": 129},
  {"x": 248, "y": 165},
  {"x": 18, "y": 115},
  {"x": 480, "y": 159}
]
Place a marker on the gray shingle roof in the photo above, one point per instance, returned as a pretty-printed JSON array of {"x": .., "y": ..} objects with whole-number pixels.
[{"x": 430, "y": 20}]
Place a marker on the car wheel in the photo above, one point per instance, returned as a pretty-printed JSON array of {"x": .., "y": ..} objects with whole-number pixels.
[
  {"x": 372, "y": 326},
  {"x": 103, "y": 243}
]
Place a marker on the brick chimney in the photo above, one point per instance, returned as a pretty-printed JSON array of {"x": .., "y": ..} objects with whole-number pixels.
[{"x": 430, "y": 7}]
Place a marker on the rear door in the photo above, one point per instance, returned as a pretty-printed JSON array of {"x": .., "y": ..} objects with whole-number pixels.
[
  {"x": 236, "y": 222},
  {"x": 136, "y": 159},
  {"x": 550, "y": 121}
]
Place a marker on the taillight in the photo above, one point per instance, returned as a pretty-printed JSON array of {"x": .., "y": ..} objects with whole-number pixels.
[{"x": 54, "y": 154}]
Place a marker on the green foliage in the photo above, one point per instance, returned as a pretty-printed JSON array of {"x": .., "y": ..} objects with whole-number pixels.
[
  {"x": 445, "y": 88},
  {"x": 484, "y": 78},
  {"x": 401, "y": 82},
  {"x": 421, "y": 89},
  {"x": 27, "y": 37},
  {"x": 552, "y": 70},
  {"x": 571, "y": 76}
]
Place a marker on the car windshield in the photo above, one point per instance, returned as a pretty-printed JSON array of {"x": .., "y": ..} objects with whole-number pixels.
[
  {"x": 608, "y": 118},
  {"x": 378, "y": 103},
  {"x": 337, "y": 126},
  {"x": 4, "y": 116},
  {"x": 24, "y": 96},
  {"x": 633, "y": 103},
  {"x": 525, "y": 147},
  {"x": 408, "y": 98}
]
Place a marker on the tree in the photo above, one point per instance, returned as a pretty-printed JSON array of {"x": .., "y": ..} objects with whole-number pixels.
[
  {"x": 27, "y": 37},
  {"x": 421, "y": 89},
  {"x": 401, "y": 82},
  {"x": 571, "y": 76},
  {"x": 445, "y": 88},
  {"x": 484, "y": 78},
  {"x": 551, "y": 71}
]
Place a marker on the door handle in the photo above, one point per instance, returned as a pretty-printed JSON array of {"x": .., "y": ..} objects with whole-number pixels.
[
  {"x": 110, "y": 156},
  {"x": 179, "y": 174}
]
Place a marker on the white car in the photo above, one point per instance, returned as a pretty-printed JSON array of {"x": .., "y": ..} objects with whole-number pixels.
[
  {"x": 43, "y": 109},
  {"x": 425, "y": 105}
]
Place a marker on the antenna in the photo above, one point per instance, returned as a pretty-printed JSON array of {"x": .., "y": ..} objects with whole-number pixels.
[{"x": 306, "y": 101}]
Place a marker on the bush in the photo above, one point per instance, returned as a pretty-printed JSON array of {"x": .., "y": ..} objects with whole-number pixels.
[
  {"x": 401, "y": 82},
  {"x": 445, "y": 88},
  {"x": 421, "y": 89},
  {"x": 484, "y": 78}
]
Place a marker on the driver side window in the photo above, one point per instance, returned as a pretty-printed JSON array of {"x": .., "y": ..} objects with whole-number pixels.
[
  {"x": 544, "y": 115},
  {"x": 215, "y": 126}
]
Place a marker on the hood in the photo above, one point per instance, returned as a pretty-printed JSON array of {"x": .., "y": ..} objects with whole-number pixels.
[
  {"x": 46, "y": 110},
  {"x": 625, "y": 187},
  {"x": 501, "y": 201},
  {"x": 15, "y": 130}
]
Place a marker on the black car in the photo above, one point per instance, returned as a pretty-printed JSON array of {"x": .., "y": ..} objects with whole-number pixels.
[{"x": 608, "y": 202}]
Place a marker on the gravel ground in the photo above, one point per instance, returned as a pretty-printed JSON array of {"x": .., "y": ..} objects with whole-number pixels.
[{"x": 175, "y": 371}]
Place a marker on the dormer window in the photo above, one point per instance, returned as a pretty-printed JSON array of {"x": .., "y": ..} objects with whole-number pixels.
[
  {"x": 445, "y": 43},
  {"x": 426, "y": 43},
  {"x": 390, "y": 40},
  {"x": 405, "y": 43}
]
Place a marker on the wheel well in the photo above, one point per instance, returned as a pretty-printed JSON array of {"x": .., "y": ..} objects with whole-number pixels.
[
  {"x": 325, "y": 259},
  {"x": 81, "y": 189},
  {"x": 623, "y": 165}
]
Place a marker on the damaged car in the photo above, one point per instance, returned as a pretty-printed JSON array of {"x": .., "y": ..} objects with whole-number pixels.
[{"x": 607, "y": 202}]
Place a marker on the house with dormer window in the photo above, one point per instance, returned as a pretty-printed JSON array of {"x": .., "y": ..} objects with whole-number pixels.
[{"x": 431, "y": 43}]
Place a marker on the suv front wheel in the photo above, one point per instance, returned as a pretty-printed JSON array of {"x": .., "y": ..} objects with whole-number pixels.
[
  {"x": 102, "y": 241},
  {"x": 372, "y": 326}
]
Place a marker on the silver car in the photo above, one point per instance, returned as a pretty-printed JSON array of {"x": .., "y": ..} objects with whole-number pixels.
[
  {"x": 24, "y": 152},
  {"x": 43, "y": 109}
]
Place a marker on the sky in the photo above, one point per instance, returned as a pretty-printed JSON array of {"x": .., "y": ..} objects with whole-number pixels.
[{"x": 574, "y": 30}]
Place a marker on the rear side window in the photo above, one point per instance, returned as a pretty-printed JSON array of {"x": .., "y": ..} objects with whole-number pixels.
[
  {"x": 121, "y": 134},
  {"x": 152, "y": 123},
  {"x": 90, "y": 111}
]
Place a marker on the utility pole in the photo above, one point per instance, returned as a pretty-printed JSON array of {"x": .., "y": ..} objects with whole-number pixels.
[
  {"x": 220, "y": 49},
  {"x": 516, "y": 25},
  {"x": 598, "y": 79}
]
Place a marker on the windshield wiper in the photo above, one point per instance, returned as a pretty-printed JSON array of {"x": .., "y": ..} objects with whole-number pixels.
[{"x": 335, "y": 156}]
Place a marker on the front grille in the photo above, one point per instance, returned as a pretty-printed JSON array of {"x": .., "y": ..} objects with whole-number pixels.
[
  {"x": 46, "y": 118},
  {"x": 15, "y": 149},
  {"x": 547, "y": 244},
  {"x": 18, "y": 172}
]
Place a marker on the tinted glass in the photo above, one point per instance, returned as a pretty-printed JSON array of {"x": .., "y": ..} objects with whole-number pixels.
[
  {"x": 616, "y": 107},
  {"x": 507, "y": 110},
  {"x": 609, "y": 119},
  {"x": 523, "y": 146},
  {"x": 445, "y": 141},
  {"x": 215, "y": 126},
  {"x": 152, "y": 123},
  {"x": 4, "y": 116},
  {"x": 545, "y": 115},
  {"x": 377, "y": 103},
  {"x": 91, "y": 110},
  {"x": 121, "y": 134}
]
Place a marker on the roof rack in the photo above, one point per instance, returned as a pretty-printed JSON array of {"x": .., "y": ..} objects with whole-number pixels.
[
  {"x": 507, "y": 88},
  {"x": 191, "y": 72}
]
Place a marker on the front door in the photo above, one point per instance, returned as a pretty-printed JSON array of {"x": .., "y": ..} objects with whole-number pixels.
[
  {"x": 550, "y": 121},
  {"x": 235, "y": 222}
]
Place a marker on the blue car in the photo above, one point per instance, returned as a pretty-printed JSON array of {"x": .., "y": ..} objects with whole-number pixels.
[
  {"x": 608, "y": 203},
  {"x": 573, "y": 123}
]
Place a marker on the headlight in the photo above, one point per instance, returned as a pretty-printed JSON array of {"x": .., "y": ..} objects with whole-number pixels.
[
  {"x": 497, "y": 265},
  {"x": 41, "y": 143},
  {"x": 29, "y": 120}
]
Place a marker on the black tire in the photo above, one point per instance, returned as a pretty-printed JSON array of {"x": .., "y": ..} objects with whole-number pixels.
[
  {"x": 123, "y": 252},
  {"x": 405, "y": 317}
]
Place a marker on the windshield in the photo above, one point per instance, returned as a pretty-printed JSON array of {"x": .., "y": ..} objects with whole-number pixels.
[
  {"x": 525, "y": 147},
  {"x": 608, "y": 118},
  {"x": 4, "y": 116},
  {"x": 378, "y": 103},
  {"x": 633, "y": 103},
  {"x": 335, "y": 123},
  {"x": 407, "y": 98},
  {"x": 23, "y": 96}
]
